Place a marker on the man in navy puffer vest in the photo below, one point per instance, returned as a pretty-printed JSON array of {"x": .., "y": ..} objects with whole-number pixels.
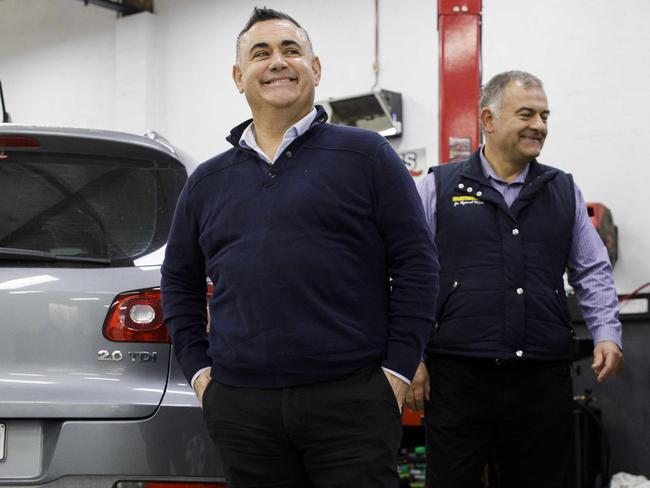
[{"x": 497, "y": 365}]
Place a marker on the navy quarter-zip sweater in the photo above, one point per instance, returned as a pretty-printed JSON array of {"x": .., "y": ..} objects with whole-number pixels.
[
  {"x": 300, "y": 254},
  {"x": 502, "y": 289}
]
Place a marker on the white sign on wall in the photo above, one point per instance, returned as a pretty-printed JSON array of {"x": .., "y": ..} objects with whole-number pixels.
[{"x": 415, "y": 161}]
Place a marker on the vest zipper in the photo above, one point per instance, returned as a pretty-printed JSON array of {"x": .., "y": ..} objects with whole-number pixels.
[{"x": 455, "y": 285}]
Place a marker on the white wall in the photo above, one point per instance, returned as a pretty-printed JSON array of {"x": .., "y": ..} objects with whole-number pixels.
[
  {"x": 62, "y": 63},
  {"x": 198, "y": 41},
  {"x": 57, "y": 62},
  {"x": 594, "y": 59}
]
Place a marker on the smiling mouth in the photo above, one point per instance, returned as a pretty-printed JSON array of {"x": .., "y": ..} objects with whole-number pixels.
[
  {"x": 280, "y": 81},
  {"x": 533, "y": 138}
]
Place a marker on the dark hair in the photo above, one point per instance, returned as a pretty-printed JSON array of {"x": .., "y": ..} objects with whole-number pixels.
[
  {"x": 262, "y": 14},
  {"x": 492, "y": 94}
]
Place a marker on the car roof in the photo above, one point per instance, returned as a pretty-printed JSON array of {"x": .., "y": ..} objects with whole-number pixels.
[{"x": 151, "y": 140}]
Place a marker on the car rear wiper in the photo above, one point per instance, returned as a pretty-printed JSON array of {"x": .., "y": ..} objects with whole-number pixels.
[
  {"x": 11, "y": 253},
  {"x": 6, "y": 118}
]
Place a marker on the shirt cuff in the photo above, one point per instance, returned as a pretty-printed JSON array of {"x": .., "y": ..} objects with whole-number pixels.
[
  {"x": 390, "y": 371},
  {"x": 197, "y": 374},
  {"x": 604, "y": 333}
]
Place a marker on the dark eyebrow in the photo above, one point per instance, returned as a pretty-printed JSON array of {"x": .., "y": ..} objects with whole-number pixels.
[
  {"x": 289, "y": 42},
  {"x": 265, "y": 45},
  {"x": 528, "y": 109},
  {"x": 259, "y": 45}
]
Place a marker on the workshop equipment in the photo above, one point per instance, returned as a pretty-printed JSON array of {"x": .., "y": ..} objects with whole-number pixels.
[{"x": 603, "y": 221}]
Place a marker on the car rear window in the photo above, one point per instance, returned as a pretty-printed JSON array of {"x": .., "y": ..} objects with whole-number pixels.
[{"x": 86, "y": 207}]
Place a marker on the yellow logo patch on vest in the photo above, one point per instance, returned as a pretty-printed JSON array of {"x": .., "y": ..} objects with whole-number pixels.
[{"x": 466, "y": 200}]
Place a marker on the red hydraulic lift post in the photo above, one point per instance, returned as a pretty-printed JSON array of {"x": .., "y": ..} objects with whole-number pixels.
[
  {"x": 459, "y": 27},
  {"x": 459, "y": 31}
]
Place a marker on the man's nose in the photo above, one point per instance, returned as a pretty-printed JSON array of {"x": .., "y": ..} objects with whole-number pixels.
[
  {"x": 538, "y": 123},
  {"x": 277, "y": 61}
]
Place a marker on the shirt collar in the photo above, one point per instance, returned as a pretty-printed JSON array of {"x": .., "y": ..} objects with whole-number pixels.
[
  {"x": 247, "y": 139},
  {"x": 488, "y": 171}
]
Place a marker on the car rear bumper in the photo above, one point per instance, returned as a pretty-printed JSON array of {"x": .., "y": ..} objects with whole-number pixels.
[{"x": 172, "y": 444}]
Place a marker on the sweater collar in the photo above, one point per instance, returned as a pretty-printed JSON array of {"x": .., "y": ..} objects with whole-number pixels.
[{"x": 236, "y": 133}]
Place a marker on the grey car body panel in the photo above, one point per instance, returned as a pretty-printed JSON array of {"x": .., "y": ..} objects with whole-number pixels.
[
  {"x": 49, "y": 364},
  {"x": 71, "y": 420},
  {"x": 159, "y": 446}
]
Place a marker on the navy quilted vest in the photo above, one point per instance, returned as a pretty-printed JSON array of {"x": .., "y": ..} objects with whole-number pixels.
[{"x": 501, "y": 280}]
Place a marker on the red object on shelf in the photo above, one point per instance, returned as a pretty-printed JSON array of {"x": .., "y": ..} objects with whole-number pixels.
[
  {"x": 603, "y": 221},
  {"x": 411, "y": 418},
  {"x": 459, "y": 30}
]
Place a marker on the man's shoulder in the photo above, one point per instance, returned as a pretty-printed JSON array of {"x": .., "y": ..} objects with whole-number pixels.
[
  {"x": 553, "y": 172},
  {"x": 345, "y": 138},
  {"x": 447, "y": 169},
  {"x": 216, "y": 164},
  {"x": 553, "y": 168}
]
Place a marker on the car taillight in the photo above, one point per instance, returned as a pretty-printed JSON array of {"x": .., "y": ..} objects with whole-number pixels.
[
  {"x": 152, "y": 484},
  {"x": 7, "y": 142},
  {"x": 136, "y": 317},
  {"x": 164, "y": 484}
]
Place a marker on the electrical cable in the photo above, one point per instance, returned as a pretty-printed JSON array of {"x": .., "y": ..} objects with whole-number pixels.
[{"x": 634, "y": 293}]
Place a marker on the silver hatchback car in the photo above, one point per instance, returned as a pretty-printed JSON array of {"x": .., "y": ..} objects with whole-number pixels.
[{"x": 90, "y": 392}]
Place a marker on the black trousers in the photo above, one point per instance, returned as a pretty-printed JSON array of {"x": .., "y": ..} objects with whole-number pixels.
[
  {"x": 340, "y": 433},
  {"x": 516, "y": 415}
]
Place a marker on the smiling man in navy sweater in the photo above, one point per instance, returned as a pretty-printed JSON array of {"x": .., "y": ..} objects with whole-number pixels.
[{"x": 324, "y": 273}]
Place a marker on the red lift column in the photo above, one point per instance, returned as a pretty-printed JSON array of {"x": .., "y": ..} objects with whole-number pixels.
[
  {"x": 459, "y": 27},
  {"x": 459, "y": 30}
]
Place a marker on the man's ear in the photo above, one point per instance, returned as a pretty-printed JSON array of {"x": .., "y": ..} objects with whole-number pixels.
[
  {"x": 487, "y": 120},
  {"x": 238, "y": 78},
  {"x": 315, "y": 67}
]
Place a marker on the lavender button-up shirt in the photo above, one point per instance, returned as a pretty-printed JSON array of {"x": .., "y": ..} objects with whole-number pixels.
[{"x": 589, "y": 269}]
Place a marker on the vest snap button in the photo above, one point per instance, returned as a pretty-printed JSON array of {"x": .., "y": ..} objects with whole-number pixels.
[
  {"x": 289, "y": 154},
  {"x": 469, "y": 189},
  {"x": 519, "y": 353},
  {"x": 479, "y": 193},
  {"x": 461, "y": 186},
  {"x": 515, "y": 232},
  {"x": 520, "y": 291}
]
